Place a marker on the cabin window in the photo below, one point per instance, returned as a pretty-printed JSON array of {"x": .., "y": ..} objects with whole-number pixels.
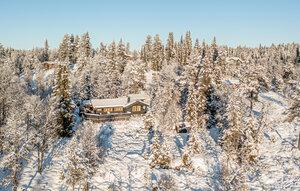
[
  {"x": 108, "y": 110},
  {"x": 118, "y": 109},
  {"x": 99, "y": 110},
  {"x": 136, "y": 108}
]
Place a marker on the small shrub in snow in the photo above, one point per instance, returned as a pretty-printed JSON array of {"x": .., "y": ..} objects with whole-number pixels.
[
  {"x": 186, "y": 158},
  {"x": 166, "y": 182},
  {"x": 194, "y": 145}
]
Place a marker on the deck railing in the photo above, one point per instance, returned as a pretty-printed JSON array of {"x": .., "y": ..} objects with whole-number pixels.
[{"x": 107, "y": 117}]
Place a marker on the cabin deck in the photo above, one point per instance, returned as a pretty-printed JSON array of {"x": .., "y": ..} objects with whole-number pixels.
[{"x": 108, "y": 117}]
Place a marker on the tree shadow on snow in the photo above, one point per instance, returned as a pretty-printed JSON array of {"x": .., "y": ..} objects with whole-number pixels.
[{"x": 104, "y": 137}]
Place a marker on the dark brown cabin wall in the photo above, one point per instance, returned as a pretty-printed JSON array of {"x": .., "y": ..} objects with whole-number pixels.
[
  {"x": 129, "y": 109},
  {"x": 104, "y": 112}
]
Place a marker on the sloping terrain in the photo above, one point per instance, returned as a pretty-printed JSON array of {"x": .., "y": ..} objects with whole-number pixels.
[
  {"x": 126, "y": 160},
  {"x": 279, "y": 156}
]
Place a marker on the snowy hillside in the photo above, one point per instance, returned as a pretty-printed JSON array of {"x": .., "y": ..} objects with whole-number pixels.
[
  {"x": 127, "y": 149},
  {"x": 279, "y": 161}
]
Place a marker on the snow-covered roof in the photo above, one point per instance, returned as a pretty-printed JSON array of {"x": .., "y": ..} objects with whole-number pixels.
[{"x": 121, "y": 101}]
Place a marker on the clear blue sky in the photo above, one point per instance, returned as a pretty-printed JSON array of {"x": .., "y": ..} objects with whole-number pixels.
[{"x": 27, "y": 23}]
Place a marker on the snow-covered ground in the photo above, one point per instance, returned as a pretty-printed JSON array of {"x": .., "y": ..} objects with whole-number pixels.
[
  {"x": 127, "y": 147},
  {"x": 280, "y": 157}
]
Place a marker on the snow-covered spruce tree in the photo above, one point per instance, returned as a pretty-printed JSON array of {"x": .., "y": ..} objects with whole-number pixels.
[
  {"x": 83, "y": 86},
  {"x": 45, "y": 52},
  {"x": 64, "y": 48},
  {"x": 251, "y": 89},
  {"x": 197, "y": 47},
  {"x": 170, "y": 47},
  {"x": 239, "y": 141},
  {"x": 127, "y": 48},
  {"x": 196, "y": 109},
  {"x": 88, "y": 88},
  {"x": 102, "y": 51},
  {"x": 111, "y": 76},
  {"x": 147, "y": 51},
  {"x": 179, "y": 49},
  {"x": 121, "y": 56},
  {"x": 166, "y": 96},
  {"x": 76, "y": 45},
  {"x": 199, "y": 88},
  {"x": 85, "y": 45},
  {"x": 73, "y": 172},
  {"x": 72, "y": 50},
  {"x": 159, "y": 154},
  {"x": 84, "y": 52},
  {"x": 6, "y": 76},
  {"x": 63, "y": 102},
  {"x": 82, "y": 158},
  {"x": 100, "y": 83},
  {"x": 231, "y": 142},
  {"x": 133, "y": 77},
  {"x": 187, "y": 47},
  {"x": 158, "y": 54}
]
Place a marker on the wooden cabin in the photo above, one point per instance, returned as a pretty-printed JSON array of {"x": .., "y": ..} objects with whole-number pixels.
[{"x": 118, "y": 107}]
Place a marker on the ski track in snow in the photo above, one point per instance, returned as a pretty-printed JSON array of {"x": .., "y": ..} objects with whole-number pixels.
[{"x": 127, "y": 146}]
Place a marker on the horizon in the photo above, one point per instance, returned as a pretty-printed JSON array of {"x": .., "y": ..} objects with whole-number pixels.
[{"x": 26, "y": 24}]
